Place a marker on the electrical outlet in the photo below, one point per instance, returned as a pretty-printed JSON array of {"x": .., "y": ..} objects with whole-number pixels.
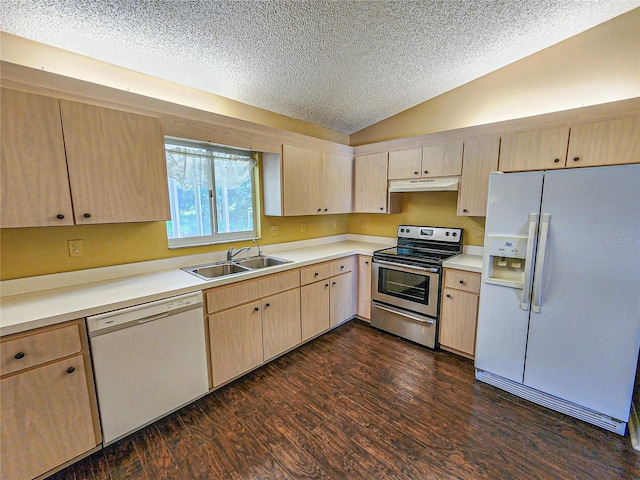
[
  {"x": 480, "y": 232},
  {"x": 274, "y": 230},
  {"x": 75, "y": 248},
  {"x": 363, "y": 223},
  {"x": 303, "y": 227},
  {"x": 335, "y": 224}
]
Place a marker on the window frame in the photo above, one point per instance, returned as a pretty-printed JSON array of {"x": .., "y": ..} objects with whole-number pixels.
[{"x": 215, "y": 237}]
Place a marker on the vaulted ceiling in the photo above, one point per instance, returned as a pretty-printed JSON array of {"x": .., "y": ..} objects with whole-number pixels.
[{"x": 342, "y": 64}]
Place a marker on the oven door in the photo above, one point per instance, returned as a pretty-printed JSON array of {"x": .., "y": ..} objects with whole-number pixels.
[{"x": 409, "y": 287}]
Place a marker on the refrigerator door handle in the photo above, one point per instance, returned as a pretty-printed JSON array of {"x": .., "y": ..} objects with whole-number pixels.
[
  {"x": 537, "y": 280},
  {"x": 528, "y": 263}
]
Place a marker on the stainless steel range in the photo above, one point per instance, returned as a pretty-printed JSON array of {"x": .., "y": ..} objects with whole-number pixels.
[{"x": 406, "y": 282}]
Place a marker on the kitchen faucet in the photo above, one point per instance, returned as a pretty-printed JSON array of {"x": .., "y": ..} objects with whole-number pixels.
[{"x": 231, "y": 254}]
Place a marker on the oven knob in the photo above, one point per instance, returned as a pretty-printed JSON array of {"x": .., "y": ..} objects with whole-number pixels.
[
  {"x": 408, "y": 230},
  {"x": 402, "y": 230},
  {"x": 447, "y": 234},
  {"x": 455, "y": 234}
]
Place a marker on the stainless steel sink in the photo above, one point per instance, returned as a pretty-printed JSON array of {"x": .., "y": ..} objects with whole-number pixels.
[
  {"x": 261, "y": 262},
  {"x": 216, "y": 270},
  {"x": 222, "y": 269}
]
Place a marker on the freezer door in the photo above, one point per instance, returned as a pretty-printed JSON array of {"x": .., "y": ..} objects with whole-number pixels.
[
  {"x": 502, "y": 325},
  {"x": 583, "y": 342}
]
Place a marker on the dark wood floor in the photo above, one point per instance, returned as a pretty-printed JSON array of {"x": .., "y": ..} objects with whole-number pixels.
[{"x": 360, "y": 404}]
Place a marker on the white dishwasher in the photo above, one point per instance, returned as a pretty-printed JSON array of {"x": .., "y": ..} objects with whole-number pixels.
[{"x": 148, "y": 360}]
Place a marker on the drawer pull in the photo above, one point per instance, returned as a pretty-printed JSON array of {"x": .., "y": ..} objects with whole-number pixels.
[
  {"x": 341, "y": 267},
  {"x": 316, "y": 274},
  {"x": 71, "y": 370},
  {"x": 19, "y": 355},
  {"x": 461, "y": 282},
  {"x": 60, "y": 216},
  {"x": 256, "y": 309}
]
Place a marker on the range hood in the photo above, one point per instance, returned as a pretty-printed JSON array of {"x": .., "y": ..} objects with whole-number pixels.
[{"x": 442, "y": 184}]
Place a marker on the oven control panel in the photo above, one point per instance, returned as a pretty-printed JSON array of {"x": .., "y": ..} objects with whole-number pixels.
[{"x": 440, "y": 234}]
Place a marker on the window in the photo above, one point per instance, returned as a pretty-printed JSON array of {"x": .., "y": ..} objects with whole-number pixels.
[{"x": 211, "y": 193}]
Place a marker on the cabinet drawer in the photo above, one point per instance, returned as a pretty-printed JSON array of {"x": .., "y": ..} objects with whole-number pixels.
[
  {"x": 467, "y": 281},
  {"x": 314, "y": 273},
  {"x": 343, "y": 265},
  {"x": 26, "y": 350},
  {"x": 221, "y": 298}
]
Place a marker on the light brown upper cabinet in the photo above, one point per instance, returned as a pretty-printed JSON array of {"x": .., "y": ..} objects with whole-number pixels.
[
  {"x": 110, "y": 162},
  {"x": 405, "y": 164},
  {"x": 116, "y": 162},
  {"x": 534, "y": 150},
  {"x": 307, "y": 182},
  {"x": 370, "y": 191},
  {"x": 432, "y": 161},
  {"x": 479, "y": 160},
  {"x": 610, "y": 142},
  {"x": 442, "y": 160},
  {"x": 337, "y": 183},
  {"x": 35, "y": 186}
]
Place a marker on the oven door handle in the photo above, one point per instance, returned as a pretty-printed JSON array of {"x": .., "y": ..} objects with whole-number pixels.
[
  {"x": 403, "y": 314},
  {"x": 404, "y": 265}
]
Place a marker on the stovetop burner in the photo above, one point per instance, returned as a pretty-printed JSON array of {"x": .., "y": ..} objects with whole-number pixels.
[{"x": 423, "y": 245}]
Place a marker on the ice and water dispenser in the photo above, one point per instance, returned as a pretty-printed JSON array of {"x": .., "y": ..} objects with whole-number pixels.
[{"x": 505, "y": 261}]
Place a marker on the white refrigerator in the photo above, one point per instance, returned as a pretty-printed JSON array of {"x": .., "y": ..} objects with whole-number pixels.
[{"x": 559, "y": 312}]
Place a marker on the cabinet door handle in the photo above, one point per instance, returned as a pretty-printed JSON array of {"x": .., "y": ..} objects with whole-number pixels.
[
  {"x": 576, "y": 159},
  {"x": 556, "y": 160},
  {"x": 465, "y": 210},
  {"x": 461, "y": 282},
  {"x": 326, "y": 209},
  {"x": 87, "y": 215},
  {"x": 319, "y": 210},
  {"x": 426, "y": 171},
  {"x": 381, "y": 208},
  {"x": 267, "y": 305},
  {"x": 333, "y": 283},
  {"x": 71, "y": 370},
  {"x": 341, "y": 267},
  {"x": 60, "y": 216},
  {"x": 19, "y": 355},
  {"x": 256, "y": 309},
  {"x": 415, "y": 173},
  {"x": 448, "y": 295},
  {"x": 326, "y": 285},
  {"x": 316, "y": 274}
]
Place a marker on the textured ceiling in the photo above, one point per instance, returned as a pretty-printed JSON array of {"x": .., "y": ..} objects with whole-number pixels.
[{"x": 341, "y": 64}]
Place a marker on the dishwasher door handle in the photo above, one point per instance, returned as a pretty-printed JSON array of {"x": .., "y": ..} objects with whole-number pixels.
[{"x": 153, "y": 317}]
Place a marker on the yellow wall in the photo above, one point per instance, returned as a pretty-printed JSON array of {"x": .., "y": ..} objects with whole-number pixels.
[
  {"x": 27, "y": 252},
  {"x": 598, "y": 66},
  {"x": 436, "y": 209}
]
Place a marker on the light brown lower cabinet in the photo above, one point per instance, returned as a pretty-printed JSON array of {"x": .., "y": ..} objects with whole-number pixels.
[
  {"x": 341, "y": 299},
  {"x": 48, "y": 410},
  {"x": 363, "y": 308},
  {"x": 280, "y": 323},
  {"x": 459, "y": 312},
  {"x": 314, "y": 300},
  {"x": 252, "y": 322},
  {"x": 236, "y": 341}
]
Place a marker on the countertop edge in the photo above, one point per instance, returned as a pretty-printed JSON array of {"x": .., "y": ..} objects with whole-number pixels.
[{"x": 24, "y": 312}]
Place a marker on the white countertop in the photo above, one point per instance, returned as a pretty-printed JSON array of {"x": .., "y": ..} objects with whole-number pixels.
[
  {"x": 42, "y": 307},
  {"x": 466, "y": 261}
]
